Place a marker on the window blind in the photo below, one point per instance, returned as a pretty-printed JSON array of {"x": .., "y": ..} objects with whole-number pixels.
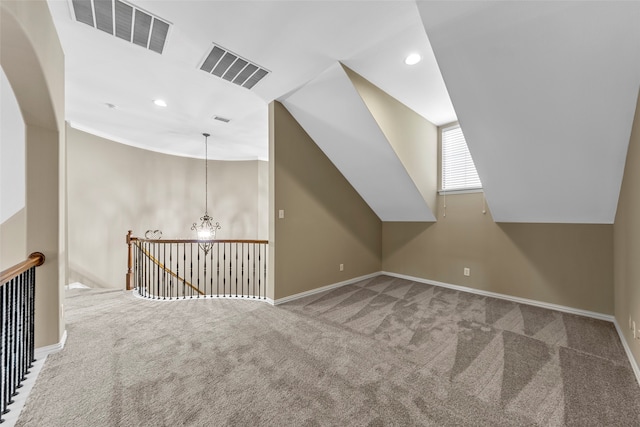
[{"x": 458, "y": 169}]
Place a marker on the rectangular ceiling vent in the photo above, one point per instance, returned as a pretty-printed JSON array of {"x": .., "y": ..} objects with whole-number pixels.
[
  {"x": 124, "y": 21},
  {"x": 229, "y": 66},
  {"x": 221, "y": 119}
]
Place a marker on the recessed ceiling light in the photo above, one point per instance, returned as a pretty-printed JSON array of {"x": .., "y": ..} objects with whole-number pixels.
[
  {"x": 412, "y": 59},
  {"x": 160, "y": 102}
]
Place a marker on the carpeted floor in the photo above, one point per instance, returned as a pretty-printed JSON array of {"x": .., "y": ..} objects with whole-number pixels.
[{"x": 384, "y": 351}]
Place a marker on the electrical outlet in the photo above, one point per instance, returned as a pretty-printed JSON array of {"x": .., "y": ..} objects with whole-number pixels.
[
  {"x": 635, "y": 335},
  {"x": 630, "y": 326},
  {"x": 467, "y": 271},
  {"x": 341, "y": 267},
  {"x": 281, "y": 214}
]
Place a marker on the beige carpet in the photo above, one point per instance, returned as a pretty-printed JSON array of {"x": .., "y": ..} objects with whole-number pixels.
[{"x": 380, "y": 352}]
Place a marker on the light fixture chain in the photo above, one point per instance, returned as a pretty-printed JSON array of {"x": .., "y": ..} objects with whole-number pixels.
[
  {"x": 206, "y": 231},
  {"x": 206, "y": 175}
]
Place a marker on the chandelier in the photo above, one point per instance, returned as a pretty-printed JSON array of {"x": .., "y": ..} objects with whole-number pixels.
[{"x": 206, "y": 231}]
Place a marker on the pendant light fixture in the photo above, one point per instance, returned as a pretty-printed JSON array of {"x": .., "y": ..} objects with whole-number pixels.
[{"x": 206, "y": 231}]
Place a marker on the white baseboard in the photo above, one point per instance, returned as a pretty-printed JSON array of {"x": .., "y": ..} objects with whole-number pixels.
[
  {"x": 627, "y": 349},
  {"x": 42, "y": 352},
  {"x": 323, "y": 288},
  {"x": 76, "y": 285},
  {"x": 15, "y": 409},
  {"x": 548, "y": 305}
]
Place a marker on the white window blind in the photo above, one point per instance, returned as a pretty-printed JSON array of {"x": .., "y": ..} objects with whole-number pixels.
[{"x": 458, "y": 170}]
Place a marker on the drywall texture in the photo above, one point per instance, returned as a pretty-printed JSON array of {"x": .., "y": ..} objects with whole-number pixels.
[
  {"x": 413, "y": 138},
  {"x": 566, "y": 264},
  {"x": 13, "y": 216},
  {"x": 263, "y": 200},
  {"x": 627, "y": 242},
  {"x": 13, "y": 240},
  {"x": 114, "y": 188},
  {"x": 33, "y": 61},
  {"x": 326, "y": 223},
  {"x": 12, "y": 152}
]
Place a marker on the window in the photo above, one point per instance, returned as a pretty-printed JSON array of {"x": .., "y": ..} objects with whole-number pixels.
[{"x": 458, "y": 170}]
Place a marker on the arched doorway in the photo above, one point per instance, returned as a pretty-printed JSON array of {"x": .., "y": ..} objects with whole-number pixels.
[{"x": 33, "y": 61}]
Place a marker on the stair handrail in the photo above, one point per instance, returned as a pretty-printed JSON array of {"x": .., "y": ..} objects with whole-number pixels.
[
  {"x": 17, "y": 314},
  {"x": 35, "y": 259},
  {"x": 132, "y": 240},
  {"x": 164, "y": 268}
]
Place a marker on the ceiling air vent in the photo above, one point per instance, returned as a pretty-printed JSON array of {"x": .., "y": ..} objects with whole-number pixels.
[
  {"x": 124, "y": 21},
  {"x": 221, "y": 119},
  {"x": 229, "y": 66}
]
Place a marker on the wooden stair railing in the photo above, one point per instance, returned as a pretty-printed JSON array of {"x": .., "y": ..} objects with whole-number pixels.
[
  {"x": 183, "y": 268},
  {"x": 17, "y": 300},
  {"x": 36, "y": 259},
  {"x": 165, "y": 269}
]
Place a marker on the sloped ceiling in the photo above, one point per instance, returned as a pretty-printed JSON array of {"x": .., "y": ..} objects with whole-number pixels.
[
  {"x": 332, "y": 112},
  {"x": 545, "y": 93}
]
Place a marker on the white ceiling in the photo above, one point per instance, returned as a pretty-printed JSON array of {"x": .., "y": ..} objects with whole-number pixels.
[
  {"x": 545, "y": 91},
  {"x": 295, "y": 40},
  {"x": 321, "y": 107}
]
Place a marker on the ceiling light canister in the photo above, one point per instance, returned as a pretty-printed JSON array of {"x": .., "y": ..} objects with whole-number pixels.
[{"x": 412, "y": 59}]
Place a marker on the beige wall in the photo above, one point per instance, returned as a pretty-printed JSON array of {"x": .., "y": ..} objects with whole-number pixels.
[
  {"x": 326, "y": 222},
  {"x": 263, "y": 200},
  {"x": 627, "y": 242},
  {"x": 566, "y": 264},
  {"x": 33, "y": 61},
  {"x": 413, "y": 138},
  {"x": 114, "y": 188},
  {"x": 13, "y": 215},
  {"x": 13, "y": 240}
]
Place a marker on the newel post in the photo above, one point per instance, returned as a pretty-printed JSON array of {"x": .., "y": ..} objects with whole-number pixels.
[{"x": 129, "y": 260}]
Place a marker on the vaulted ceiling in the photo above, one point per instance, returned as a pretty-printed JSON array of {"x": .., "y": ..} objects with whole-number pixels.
[{"x": 545, "y": 91}]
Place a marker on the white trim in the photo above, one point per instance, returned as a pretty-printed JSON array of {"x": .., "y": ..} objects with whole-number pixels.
[
  {"x": 627, "y": 349},
  {"x": 461, "y": 191},
  {"x": 15, "y": 409},
  {"x": 548, "y": 305},
  {"x": 325, "y": 288},
  {"x": 42, "y": 352},
  {"x": 76, "y": 285}
]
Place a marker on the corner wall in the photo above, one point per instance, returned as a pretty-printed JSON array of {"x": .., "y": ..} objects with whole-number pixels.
[
  {"x": 114, "y": 188},
  {"x": 413, "y": 138},
  {"x": 13, "y": 215},
  {"x": 326, "y": 223},
  {"x": 565, "y": 264},
  {"x": 626, "y": 232},
  {"x": 33, "y": 61}
]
